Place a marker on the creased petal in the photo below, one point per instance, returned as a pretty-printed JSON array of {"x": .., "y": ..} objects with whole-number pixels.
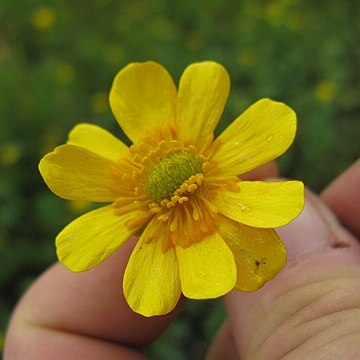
[
  {"x": 151, "y": 281},
  {"x": 262, "y": 204},
  {"x": 98, "y": 140},
  {"x": 207, "y": 268},
  {"x": 259, "y": 253},
  {"x": 143, "y": 99},
  {"x": 92, "y": 238},
  {"x": 262, "y": 133},
  {"x": 75, "y": 173},
  {"x": 203, "y": 91}
]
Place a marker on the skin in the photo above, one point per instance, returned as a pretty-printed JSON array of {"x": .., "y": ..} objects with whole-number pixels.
[{"x": 311, "y": 310}]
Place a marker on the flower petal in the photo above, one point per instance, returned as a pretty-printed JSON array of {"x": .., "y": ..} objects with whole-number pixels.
[
  {"x": 203, "y": 91},
  {"x": 262, "y": 204},
  {"x": 259, "y": 253},
  {"x": 207, "y": 268},
  {"x": 151, "y": 280},
  {"x": 93, "y": 237},
  {"x": 143, "y": 99},
  {"x": 98, "y": 140},
  {"x": 75, "y": 173},
  {"x": 262, "y": 133}
]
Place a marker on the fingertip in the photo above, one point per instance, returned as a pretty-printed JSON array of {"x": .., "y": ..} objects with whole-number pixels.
[
  {"x": 343, "y": 197},
  {"x": 91, "y": 303}
]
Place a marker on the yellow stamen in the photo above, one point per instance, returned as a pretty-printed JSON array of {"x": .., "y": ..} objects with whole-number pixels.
[
  {"x": 171, "y": 183},
  {"x": 169, "y": 173},
  {"x": 135, "y": 205}
]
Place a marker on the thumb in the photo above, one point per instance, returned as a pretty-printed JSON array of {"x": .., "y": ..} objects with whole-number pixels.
[{"x": 312, "y": 308}]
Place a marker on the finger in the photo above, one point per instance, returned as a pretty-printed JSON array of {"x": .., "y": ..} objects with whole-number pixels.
[
  {"x": 37, "y": 343},
  {"x": 90, "y": 304},
  {"x": 343, "y": 197},
  {"x": 267, "y": 170},
  {"x": 223, "y": 346},
  {"x": 297, "y": 312}
]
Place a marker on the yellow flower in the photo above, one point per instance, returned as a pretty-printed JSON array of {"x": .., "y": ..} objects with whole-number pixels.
[
  {"x": 10, "y": 153},
  {"x": 325, "y": 91},
  {"x": 43, "y": 18},
  {"x": 99, "y": 103},
  {"x": 203, "y": 231}
]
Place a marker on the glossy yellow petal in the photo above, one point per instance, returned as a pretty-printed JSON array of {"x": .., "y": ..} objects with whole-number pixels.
[
  {"x": 75, "y": 173},
  {"x": 262, "y": 133},
  {"x": 207, "y": 268},
  {"x": 143, "y": 99},
  {"x": 262, "y": 204},
  {"x": 92, "y": 238},
  {"x": 259, "y": 253},
  {"x": 151, "y": 281},
  {"x": 98, "y": 140},
  {"x": 203, "y": 91}
]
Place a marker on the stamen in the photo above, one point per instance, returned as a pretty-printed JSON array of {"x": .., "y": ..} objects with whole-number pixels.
[
  {"x": 222, "y": 178},
  {"x": 150, "y": 140},
  {"x": 137, "y": 158},
  {"x": 210, "y": 151},
  {"x": 208, "y": 204},
  {"x": 136, "y": 205},
  {"x": 144, "y": 147},
  {"x": 205, "y": 167},
  {"x": 170, "y": 173},
  {"x": 156, "y": 210},
  {"x": 167, "y": 243},
  {"x": 228, "y": 182},
  {"x": 163, "y": 218},
  {"x": 137, "y": 222},
  {"x": 125, "y": 200},
  {"x": 169, "y": 184},
  {"x": 153, "y": 205},
  {"x": 174, "y": 143},
  {"x": 192, "y": 149},
  {"x": 192, "y": 188}
]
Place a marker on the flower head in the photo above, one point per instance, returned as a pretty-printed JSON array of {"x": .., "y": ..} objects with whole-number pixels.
[
  {"x": 202, "y": 231},
  {"x": 43, "y": 18}
]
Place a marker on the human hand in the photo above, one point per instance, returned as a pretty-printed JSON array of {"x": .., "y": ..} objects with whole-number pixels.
[{"x": 311, "y": 310}]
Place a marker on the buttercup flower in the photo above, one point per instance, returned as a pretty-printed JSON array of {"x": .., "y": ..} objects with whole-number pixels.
[{"x": 202, "y": 231}]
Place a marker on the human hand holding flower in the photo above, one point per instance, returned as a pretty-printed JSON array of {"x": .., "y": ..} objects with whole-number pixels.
[
  {"x": 202, "y": 230},
  {"x": 310, "y": 311}
]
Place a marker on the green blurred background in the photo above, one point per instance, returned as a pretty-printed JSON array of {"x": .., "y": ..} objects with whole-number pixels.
[{"x": 57, "y": 62}]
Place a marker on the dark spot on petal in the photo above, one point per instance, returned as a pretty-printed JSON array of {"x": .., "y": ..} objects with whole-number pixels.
[{"x": 259, "y": 263}]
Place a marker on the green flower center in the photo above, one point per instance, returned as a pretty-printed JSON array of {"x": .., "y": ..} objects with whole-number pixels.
[{"x": 170, "y": 173}]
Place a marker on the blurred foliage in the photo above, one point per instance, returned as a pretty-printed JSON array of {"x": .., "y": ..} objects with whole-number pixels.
[{"x": 57, "y": 62}]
